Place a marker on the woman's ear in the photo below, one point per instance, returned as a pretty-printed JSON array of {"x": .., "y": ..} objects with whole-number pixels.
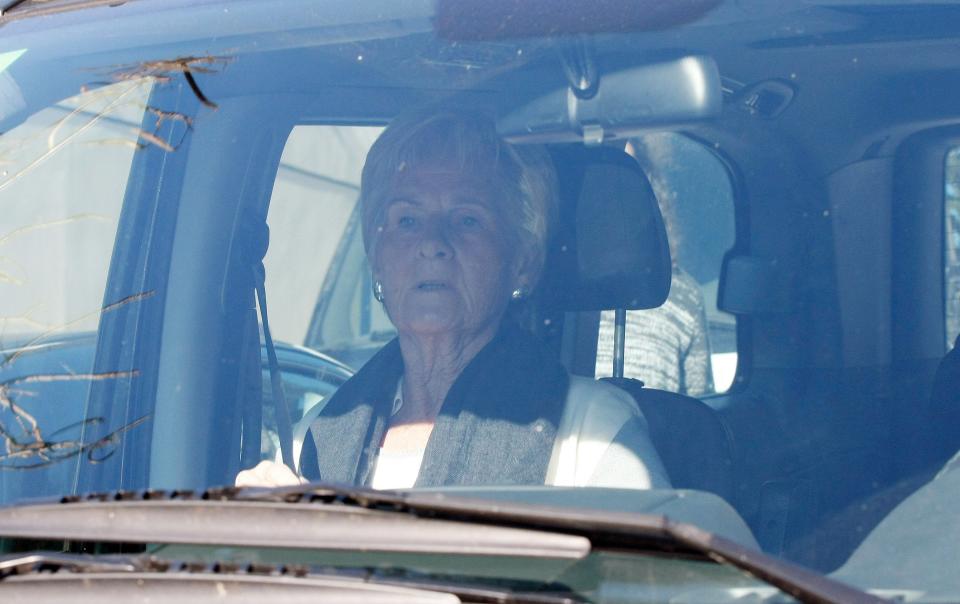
[{"x": 527, "y": 267}]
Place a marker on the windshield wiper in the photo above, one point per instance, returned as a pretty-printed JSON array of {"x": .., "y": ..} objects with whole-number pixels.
[
  {"x": 32, "y": 563},
  {"x": 224, "y": 516},
  {"x": 18, "y": 564},
  {"x": 18, "y": 9},
  {"x": 632, "y": 532}
]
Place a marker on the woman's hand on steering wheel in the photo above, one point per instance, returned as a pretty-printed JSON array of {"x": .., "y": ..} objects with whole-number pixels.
[{"x": 268, "y": 474}]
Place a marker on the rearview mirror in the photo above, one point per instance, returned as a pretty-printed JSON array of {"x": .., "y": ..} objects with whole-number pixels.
[{"x": 626, "y": 103}]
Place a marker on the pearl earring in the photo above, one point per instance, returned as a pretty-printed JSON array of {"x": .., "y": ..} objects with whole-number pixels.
[
  {"x": 378, "y": 290},
  {"x": 519, "y": 293}
]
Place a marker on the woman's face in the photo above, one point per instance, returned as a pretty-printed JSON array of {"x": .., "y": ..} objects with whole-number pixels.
[{"x": 444, "y": 256}]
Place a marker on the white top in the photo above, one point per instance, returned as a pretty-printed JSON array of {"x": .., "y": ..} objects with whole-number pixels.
[
  {"x": 584, "y": 454},
  {"x": 397, "y": 469}
]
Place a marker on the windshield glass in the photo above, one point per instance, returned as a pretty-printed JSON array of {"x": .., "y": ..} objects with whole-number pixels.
[{"x": 705, "y": 267}]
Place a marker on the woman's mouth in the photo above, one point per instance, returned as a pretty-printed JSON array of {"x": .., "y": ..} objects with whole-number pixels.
[{"x": 431, "y": 285}]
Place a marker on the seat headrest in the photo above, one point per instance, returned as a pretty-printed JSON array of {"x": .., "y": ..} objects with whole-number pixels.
[{"x": 609, "y": 249}]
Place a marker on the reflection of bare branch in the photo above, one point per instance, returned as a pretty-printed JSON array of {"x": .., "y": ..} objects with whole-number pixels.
[
  {"x": 8, "y": 278},
  {"x": 24, "y": 418},
  {"x": 153, "y": 138},
  {"x": 55, "y": 148},
  {"x": 196, "y": 90},
  {"x": 23, "y": 318},
  {"x": 53, "y": 451},
  {"x": 185, "y": 65},
  {"x": 24, "y": 348},
  {"x": 45, "y": 451},
  {"x": 78, "y": 110},
  {"x": 10, "y": 274},
  {"x": 120, "y": 142},
  {"x": 129, "y": 299},
  {"x": 163, "y": 116},
  {"x": 51, "y": 223},
  {"x": 45, "y": 378},
  {"x": 170, "y": 115}
]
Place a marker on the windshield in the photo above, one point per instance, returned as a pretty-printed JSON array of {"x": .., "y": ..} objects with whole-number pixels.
[{"x": 705, "y": 266}]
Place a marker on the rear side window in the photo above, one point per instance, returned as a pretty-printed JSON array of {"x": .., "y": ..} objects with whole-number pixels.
[
  {"x": 951, "y": 256},
  {"x": 687, "y": 345}
]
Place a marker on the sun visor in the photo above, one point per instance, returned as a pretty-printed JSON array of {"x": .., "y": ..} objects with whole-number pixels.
[{"x": 610, "y": 249}]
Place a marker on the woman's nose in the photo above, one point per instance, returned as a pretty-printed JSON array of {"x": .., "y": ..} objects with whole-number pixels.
[{"x": 435, "y": 242}]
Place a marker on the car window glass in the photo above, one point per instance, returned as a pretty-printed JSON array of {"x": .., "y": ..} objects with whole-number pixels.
[
  {"x": 63, "y": 172},
  {"x": 314, "y": 195},
  {"x": 951, "y": 249},
  {"x": 687, "y": 345}
]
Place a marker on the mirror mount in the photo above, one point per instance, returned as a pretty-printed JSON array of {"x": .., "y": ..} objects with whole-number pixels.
[
  {"x": 580, "y": 67},
  {"x": 665, "y": 94}
]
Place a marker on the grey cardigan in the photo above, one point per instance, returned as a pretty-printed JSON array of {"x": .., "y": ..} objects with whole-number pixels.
[{"x": 497, "y": 424}]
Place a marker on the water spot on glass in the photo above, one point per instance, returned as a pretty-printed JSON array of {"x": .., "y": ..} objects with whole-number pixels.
[
  {"x": 793, "y": 76},
  {"x": 519, "y": 51},
  {"x": 359, "y": 58},
  {"x": 546, "y": 321},
  {"x": 563, "y": 248},
  {"x": 826, "y": 213}
]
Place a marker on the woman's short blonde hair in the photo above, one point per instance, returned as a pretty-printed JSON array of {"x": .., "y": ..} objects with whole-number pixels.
[{"x": 522, "y": 176}]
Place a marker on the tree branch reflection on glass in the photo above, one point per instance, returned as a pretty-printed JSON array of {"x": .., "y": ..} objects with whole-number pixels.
[{"x": 24, "y": 445}]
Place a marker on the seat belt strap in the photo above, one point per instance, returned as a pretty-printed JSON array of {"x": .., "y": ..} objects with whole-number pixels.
[{"x": 281, "y": 412}]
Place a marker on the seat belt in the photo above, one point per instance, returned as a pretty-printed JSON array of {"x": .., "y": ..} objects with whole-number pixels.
[{"x": 281, "y": 412}]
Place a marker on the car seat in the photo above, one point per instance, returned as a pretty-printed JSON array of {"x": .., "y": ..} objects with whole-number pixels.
[
  {"x": 610, "y": 251},
  {"x": 944, "y": 437}
]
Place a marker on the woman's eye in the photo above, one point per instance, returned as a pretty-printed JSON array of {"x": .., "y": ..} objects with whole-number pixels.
[
  {"x": 469, "y": 221},
  {"x": 406, "y": 221}
]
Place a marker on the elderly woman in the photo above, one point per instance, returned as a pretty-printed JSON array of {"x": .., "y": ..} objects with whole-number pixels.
[{"x": 455, "y": 224}]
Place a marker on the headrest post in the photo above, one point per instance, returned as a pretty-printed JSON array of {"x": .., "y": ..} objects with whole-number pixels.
[{"x": 619, "y": 341}]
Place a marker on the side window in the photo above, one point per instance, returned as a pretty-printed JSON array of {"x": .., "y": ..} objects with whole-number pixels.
[
  {"x": 687, "y": 345},
  {"x": 316, "y": 278},
  {"x": 63, "y": 174},
  {"x": 311, "y": 211},
  {"x": 951, "y": 248}
]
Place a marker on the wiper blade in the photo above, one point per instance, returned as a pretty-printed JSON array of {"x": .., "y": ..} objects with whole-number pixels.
[
  {"x": 137, "y": 567},
  {"x": 18, "y": 564},
  {"x": 18, "y": 9},
  {"x": 540, "y": 525},
  {"x": 637, "y": 532},
  {"x": 224, "y": 518}
]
